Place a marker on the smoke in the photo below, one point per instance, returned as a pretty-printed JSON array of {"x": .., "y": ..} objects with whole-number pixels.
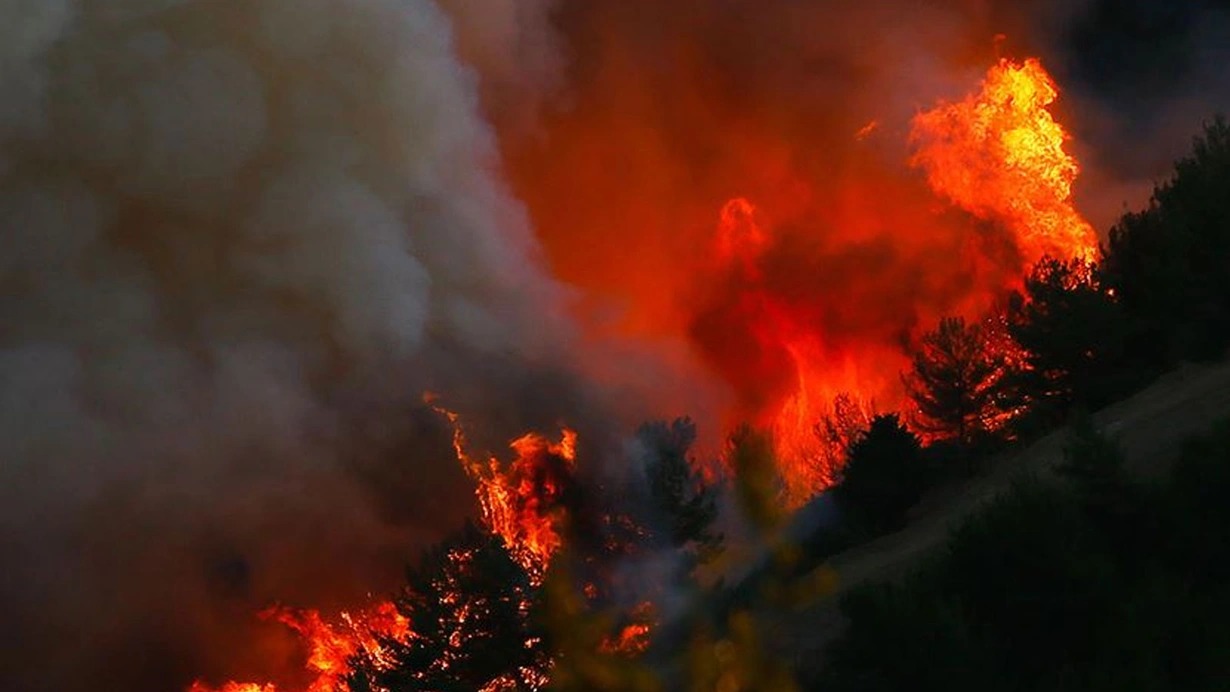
[
  {"x": 669, "y": 110},
  {"x": 514, "y": 46},
  {"x": 241, "y": 240},
  {"x": 1141, "y": 78}
]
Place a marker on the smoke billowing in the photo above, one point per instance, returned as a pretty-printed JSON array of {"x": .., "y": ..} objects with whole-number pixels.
[
  {"x": 669, "y": 110},
  {"x": 241, "y": 240}
]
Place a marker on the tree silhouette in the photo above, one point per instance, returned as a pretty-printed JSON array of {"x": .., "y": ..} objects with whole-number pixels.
[
  {"x": 958, "y": 383},
  {"x": 1100, "y": 583},
  {"x": 683, "y": 501},
  {"x": 1169, "y": 265},
  {"x": 838, "y": 430},
  {"x": 471, "y": 608},
  {"x": 1073, "y": 335},
  {"x": 884, "y": 476}
]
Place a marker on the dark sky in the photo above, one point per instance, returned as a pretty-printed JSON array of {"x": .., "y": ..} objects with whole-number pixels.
[
  {"x": 1145, "y": 51},
  {"x": 1139, "y": 78}
]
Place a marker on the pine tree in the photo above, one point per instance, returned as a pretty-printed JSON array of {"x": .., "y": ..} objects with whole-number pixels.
[
  {"x": 1073, "y": 335},
  {"x": 1169, "y": 265},
  {"x": 848, "y": 419},
  {"x": 471, "y": 608},
  {"x": 884, "y": 476},
  {"x": 958, "y": 383},
  {"x": 682, "y": 500}
]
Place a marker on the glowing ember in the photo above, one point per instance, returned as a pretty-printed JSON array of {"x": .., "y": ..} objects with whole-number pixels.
[
  {"x": 999, "y": 154},
  {"x": 521, "y": 501},
  {"x": 331, "y": 647},
  {"x": 232, "y": 687},
  {"x": 634, "y": 638}
]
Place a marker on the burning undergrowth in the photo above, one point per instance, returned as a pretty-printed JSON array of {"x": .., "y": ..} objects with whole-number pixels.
[
  {"x": 243, "y": 239},
  {"x": 246, "y": 237}
]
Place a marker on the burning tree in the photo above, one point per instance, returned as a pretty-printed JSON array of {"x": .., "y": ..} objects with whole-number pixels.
[
  {"x": 1073, "y": 335},
  {"x": 473, "y": 608},
  {"x": 335, "y": 650},
  {"x": 999, "y": 154},
  {"x": 840, "y": 429},
  {"x": 484, "y": 604},
  {"x": 959, "y": 382}
]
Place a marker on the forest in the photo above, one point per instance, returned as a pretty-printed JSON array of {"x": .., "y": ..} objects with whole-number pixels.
[{"x": 1095, "y": 580}]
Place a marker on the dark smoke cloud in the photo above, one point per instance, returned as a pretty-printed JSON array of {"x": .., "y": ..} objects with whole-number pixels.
[
  {"x": 241, "y": 239},
  {"x": 1140, "y": 79}
]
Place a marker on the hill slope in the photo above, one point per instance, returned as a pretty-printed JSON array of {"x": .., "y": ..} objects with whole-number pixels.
[{"x": 1150, "y": 426}]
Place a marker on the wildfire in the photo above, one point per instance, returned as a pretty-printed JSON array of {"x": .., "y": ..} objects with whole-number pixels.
[
  {"x": 331, "y": 647},
  {"x": 999, "y": 154},
  {"x": 521, "y": 501},
  {"x": 809, "y": 460},
  {"x": 740, "y": 238},
  {"x": 232, "y": 687},
  {"x": 634, "y": 637}
]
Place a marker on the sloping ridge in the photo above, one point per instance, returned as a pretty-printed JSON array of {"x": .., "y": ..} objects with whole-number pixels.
[{"x": 1150, "y": 426}]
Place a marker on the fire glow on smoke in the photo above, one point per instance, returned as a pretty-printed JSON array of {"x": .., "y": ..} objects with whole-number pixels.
[
  {"x": 331, "y": 647},
  {"x": 998, "y": 154}
]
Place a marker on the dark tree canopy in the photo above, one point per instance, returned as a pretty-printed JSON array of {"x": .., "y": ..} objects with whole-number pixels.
[
  {"x": 1102, "y": 584},
  {"x": 471, "y": 607},
  {"x": 959, "y": 382},
  {"x": 1073, "y": 336},
  {"x": 884, "y": 475},
  {"x": 685, "y": 504},
  {"x": 1169, "y": 265},
  {"x": 837, "y": 431}
]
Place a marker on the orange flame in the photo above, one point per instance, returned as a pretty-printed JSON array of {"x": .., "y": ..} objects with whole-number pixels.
[
  {"x": 331, "y": 647},
  {"x": 232, "y": 687},
  {"x": 808, "y": 461},
  {"x": 634, "y": 638},
  {"x": 520, "y": 501},
  {"x": 999, "y": 154}
]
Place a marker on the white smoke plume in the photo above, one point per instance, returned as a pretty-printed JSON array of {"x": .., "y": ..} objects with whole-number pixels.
[{"x": 240, "y": 240}]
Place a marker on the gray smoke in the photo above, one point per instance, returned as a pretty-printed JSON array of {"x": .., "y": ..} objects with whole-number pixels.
[
  {"x": 241, "y": 239},
  {"x": 514, "y": 46}
]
